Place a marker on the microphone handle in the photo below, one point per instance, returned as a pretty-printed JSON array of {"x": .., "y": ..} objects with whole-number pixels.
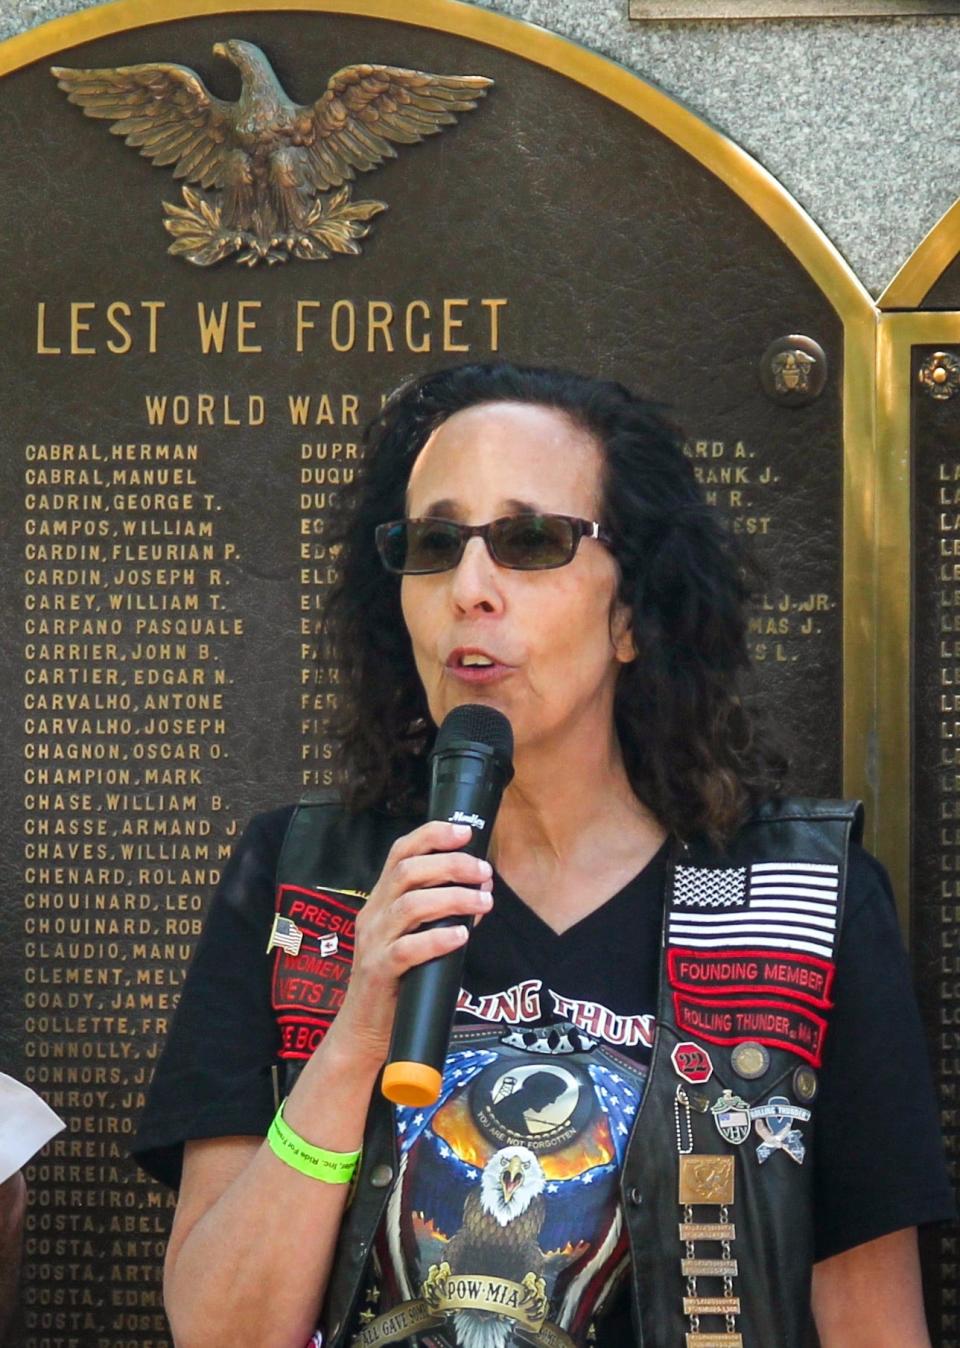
[{"x": 468, "y": 782}]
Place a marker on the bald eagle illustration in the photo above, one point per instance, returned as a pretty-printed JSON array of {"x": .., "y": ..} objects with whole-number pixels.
[
  {"x": 502, "y": 1218},
  {"x": 501, "y": 1222},
  {"x": 268, "y": 159},
  {"x": 471, "y": 1209}
]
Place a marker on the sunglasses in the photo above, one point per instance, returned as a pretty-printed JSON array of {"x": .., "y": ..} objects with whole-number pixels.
[{"x": 520, "y": 542}]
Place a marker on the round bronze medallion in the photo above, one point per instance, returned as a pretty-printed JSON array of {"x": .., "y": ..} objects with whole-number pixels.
[
  {"x": 793, "y": 370},
  {"x": 805, "y": 1084},
  {"x": 750, "y": 1060}
]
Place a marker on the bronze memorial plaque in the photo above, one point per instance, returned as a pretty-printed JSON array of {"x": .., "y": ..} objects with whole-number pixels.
[
  {"x": 945, "y": 293},
  {"x": 184, "y": 378}
]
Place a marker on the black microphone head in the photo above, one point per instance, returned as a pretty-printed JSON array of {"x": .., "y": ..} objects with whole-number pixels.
[{"x": 479, "y": 724}]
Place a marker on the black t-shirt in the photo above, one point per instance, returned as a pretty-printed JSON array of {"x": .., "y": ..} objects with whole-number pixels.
[{"x": 877, "y": 1154}]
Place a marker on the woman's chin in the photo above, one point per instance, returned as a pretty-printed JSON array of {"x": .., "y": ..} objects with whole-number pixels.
[{"x": 461, "y": 687}]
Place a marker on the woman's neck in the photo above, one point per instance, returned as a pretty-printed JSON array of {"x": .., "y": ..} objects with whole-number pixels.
[{"x": 561, "y": 807}]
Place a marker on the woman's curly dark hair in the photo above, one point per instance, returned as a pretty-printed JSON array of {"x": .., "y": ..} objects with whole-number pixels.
[{"x": 690, "y": 744}]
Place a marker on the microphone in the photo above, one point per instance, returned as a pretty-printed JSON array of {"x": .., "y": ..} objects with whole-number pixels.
[{"x": 470, "y": 766}]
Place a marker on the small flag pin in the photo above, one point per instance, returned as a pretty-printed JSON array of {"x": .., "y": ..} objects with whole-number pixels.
[{"x": 286, "y": 935}]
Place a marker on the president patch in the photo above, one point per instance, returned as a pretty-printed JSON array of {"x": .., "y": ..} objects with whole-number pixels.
[
  {"x": 731, "y": 1020},
  {"x": 782, "y": 973},
  {"x": 310, "y": 974}
]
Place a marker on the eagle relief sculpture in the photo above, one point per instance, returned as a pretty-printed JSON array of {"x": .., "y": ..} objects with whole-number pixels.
[{"x": 272, "y": 176}]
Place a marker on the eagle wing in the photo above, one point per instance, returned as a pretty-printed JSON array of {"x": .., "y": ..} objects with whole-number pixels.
[
  {"x": 577, "y": 1212},
  {"x": 438, "y": 1184},
  {"x": 365, "y": 107},
  {"x": 164, "y": 111}
]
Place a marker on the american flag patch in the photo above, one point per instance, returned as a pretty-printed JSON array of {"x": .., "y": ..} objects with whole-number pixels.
[
  {"x": 771, "y": 905},
  {"x": 285, "y": 934}
]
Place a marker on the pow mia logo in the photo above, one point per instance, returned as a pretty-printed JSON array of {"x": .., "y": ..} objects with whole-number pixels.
[{"x": 542, "y": 1106}]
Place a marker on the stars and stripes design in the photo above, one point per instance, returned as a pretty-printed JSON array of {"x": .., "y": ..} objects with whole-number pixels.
[
  {"x": 771, "y": 905},
  {"x": 697, "y": 887},
  {"x": 460, "y": 1069},
  {"x": 285, "y": 934},
  {"x": 620, "y": 1097}
]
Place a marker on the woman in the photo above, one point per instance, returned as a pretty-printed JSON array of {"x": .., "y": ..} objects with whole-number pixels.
[{"x": 569, "y": 575}]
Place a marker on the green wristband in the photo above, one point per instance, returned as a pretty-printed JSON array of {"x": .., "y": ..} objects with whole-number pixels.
[{"x": 332, "y": 1167}]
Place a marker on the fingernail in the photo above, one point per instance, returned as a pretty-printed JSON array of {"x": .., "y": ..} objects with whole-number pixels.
[
  {"x": 486, "y": 868},
  {"x": 462, "y": 830},
  {"x": 462, "y": 934}
]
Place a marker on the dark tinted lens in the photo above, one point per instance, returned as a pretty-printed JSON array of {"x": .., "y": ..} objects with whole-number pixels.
[
  {"x": 432, "y": 545},
  {"x": 412, "y": 546},
  {"x": 532, "y": 542},
  {"x": 392, "y": 544}
]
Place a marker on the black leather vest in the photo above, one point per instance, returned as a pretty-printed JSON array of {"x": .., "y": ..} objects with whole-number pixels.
[{"x": 715, "y": 994}]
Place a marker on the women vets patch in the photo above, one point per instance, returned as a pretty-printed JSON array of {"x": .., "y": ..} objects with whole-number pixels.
[
  {"x": 313, "y": 934},
  {"x": 750, "y": 953}
]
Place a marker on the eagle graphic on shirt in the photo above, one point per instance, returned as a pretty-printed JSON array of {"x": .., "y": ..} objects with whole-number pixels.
[
  {"x": 509, "y": 1186},
  {"x": 501, "y": 1224}
]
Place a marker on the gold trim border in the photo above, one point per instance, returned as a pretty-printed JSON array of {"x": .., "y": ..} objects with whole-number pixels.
[
  {"x": 925, "y": 265},
  {"x": 757, "y": 188},
  {"x": 863, "y": 777}
]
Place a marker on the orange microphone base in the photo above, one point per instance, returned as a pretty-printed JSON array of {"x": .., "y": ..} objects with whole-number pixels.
[{"x": 411, "y": 1083}]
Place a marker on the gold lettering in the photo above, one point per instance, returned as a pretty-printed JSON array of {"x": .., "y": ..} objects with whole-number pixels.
[
  {"x": 78, "y": 326},
  {"x": 453, "y": 325},
  {"x": 423, "y": 345}
]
